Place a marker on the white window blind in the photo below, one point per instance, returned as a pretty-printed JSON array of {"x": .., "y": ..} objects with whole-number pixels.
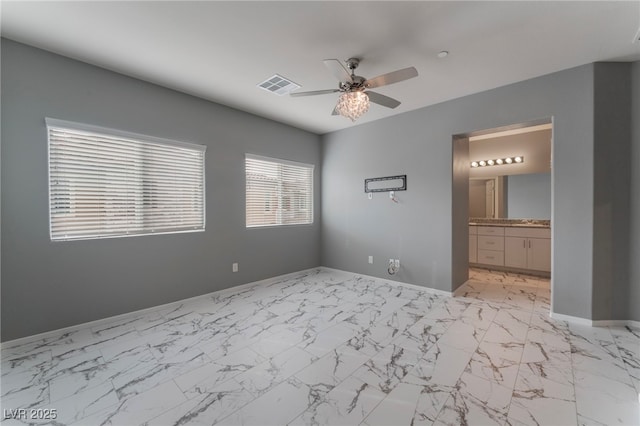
[
  {"x": 279, "y": 192},
  {"x": 107, "y": 183}
]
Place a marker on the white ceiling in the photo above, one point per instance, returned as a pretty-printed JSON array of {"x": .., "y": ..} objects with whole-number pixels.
[{"x": 221, "y": 50}]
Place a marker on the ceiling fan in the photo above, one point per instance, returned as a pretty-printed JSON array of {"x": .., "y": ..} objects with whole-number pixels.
[{"x": 355, "y": 97}]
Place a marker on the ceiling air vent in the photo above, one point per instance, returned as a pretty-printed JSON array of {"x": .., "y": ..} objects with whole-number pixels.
[{"x": 278, "y": 85}]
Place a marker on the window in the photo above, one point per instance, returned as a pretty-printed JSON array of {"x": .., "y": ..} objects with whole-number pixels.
[
  {"x": 279, "y": 192},
  {"x": 106, "y": 183}
]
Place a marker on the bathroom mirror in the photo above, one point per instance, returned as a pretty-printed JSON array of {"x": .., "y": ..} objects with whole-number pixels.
[{"x": 525, "y": 196}]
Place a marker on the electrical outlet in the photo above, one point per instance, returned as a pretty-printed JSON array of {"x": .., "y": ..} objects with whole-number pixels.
[
  {"x": 234, "y": 267},
  {"x": 370, "y": 259},
  {"x": 370, "y": 195},
  {"x": 397, "y": 263}
]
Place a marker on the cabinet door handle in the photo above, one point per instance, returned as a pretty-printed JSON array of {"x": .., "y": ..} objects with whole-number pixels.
[
  {"x": 529, "y": 243},
  {"x": 524, "y": 243}
]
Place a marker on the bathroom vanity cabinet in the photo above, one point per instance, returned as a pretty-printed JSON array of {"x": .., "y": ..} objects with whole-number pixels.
[{"x": 515, "y": 247}]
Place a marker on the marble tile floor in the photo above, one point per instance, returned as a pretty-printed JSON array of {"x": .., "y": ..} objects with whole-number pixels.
[{"x": 330, "y": 348}]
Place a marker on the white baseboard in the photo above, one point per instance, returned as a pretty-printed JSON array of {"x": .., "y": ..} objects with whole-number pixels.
[
  {"x": 569, "y": 318},
  {"x": 616, "y": 323},
  {"x": 398, "y": 283},
  {"x": 98, "y": 322},
  {"x": 597, "y": 323}
]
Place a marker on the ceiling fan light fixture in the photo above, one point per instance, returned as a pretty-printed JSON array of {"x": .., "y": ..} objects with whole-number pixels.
[{"x": 353, "y": 104}]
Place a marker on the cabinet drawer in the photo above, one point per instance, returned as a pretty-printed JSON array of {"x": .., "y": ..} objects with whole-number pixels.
[
  {"x": 490, "y": 230},
  {"x": 528, "y": 232},
  {"x": 490, "y": 243},
  {"x": 490, "y": 257}
]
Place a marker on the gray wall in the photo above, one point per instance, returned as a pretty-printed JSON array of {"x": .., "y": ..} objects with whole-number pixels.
[
  {"x": 612, "y": 171},
  {"x": 49, "y": 285},
  {"x": 419, "y": 230},
  {"x": 529, "y": 196},
  {"x": 634, "y": 234},
  {"x": 459, "y": 212}
]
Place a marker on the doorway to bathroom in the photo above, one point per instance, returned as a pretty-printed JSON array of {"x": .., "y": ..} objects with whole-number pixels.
[{"x": 503, "y": 205}]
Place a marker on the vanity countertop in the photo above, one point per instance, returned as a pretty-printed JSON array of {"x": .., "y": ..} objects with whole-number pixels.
[{"x": 515, "y": 223}]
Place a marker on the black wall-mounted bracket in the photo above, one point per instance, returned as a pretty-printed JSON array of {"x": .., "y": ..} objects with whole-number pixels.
[{"x": 386, "y": 184}]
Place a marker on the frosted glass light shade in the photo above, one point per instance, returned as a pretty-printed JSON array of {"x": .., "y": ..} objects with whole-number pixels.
[{"x": 353, "y": 104}]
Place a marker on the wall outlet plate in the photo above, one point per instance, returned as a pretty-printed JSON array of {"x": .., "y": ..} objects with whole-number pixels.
[
  {"x": 370, "y": 259},
  {"x": 234, "y": 267},
  {"x": 397, "y": 263}
]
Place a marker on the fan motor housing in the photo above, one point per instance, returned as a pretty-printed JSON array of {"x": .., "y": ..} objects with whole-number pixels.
[{"x": 357, "y": 84}]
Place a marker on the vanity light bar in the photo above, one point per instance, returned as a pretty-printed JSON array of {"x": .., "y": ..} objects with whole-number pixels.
[{"x": 498, "y": 161}]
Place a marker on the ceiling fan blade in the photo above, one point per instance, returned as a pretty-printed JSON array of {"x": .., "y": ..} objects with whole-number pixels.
[
  {"x": 314, "y": 92},
  {"x": 338, "y": 70},
  {"x": 392, "y": 77},
  {"x": 383, "y": 100}
]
